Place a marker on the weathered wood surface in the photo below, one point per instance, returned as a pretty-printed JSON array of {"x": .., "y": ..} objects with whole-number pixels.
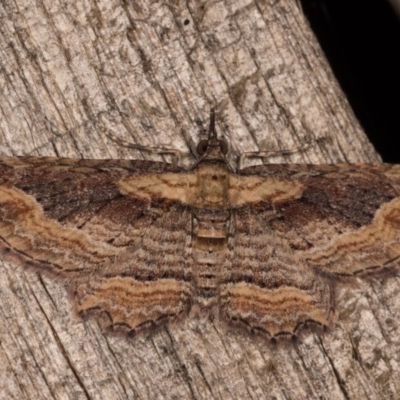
[{"x": 149, "y": 72}]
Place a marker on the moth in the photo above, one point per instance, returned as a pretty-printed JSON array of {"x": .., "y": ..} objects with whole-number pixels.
[{"x": 142, "y": 243}]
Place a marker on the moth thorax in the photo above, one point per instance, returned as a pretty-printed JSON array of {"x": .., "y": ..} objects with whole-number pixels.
[{"x": 213, "y": 184}]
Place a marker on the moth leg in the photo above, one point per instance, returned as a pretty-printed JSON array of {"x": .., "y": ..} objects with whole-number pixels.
[
  {"x": 274, "y": 153},
  {"x": 126, "y": 304},
  {"x": 157, "y": 150}
]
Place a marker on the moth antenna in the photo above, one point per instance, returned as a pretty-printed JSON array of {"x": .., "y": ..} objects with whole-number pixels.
[
  {"x": 176, "y": 154},
  {"x": 274, "y": 153}
]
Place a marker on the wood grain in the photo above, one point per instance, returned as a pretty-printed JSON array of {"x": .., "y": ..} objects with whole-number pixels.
[{"x": 70, "y": 73}]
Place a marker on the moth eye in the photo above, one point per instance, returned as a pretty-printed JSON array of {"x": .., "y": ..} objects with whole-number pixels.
[
  {"x": 202, "y": 147},
  {"x": 223, "y": 144}
]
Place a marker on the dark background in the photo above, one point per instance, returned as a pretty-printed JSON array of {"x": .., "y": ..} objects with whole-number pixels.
[{"x": 361, "y": 39}]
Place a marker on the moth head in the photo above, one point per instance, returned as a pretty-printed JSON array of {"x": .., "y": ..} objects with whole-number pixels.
[{"x": 203, "y": 146}]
